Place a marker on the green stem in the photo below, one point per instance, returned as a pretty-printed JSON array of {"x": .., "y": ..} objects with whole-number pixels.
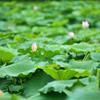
[
  {"x": 86, "y": 56},
  {"x": 67, "y": 92},
  {"x": 98, "y": 78}
]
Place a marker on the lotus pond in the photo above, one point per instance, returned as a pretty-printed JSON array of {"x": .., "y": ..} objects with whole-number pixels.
[{"x": 50, "y": 50}]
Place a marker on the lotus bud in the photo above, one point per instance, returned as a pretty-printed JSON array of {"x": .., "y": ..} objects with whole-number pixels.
[
  {"x": 35, "y": 8},
  {"x": 71, "y": 35},
  {"x": 34, "y": 47},
  {"x": 85, "y": 24},
  {"x": 1, "y": 92}
]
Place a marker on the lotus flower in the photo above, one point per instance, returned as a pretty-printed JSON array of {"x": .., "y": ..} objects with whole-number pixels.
[
  {"x": 85, "y": 24},
  {"x": 1, "y": 93},
  {"x": 35, "y": 8},
  {"x": 34, "y": 47},
  {"x": 71, "y": 35}
]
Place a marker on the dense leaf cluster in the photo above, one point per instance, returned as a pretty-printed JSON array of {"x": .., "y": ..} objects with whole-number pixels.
[{"x": 61, "y": 68}]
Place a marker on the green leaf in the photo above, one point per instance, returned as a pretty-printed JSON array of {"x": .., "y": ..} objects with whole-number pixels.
[
  {"x": 58, "y": 86},
  {"x": 15, "y": 88},
  {"x": 49, "y": 96},
  {"x": 8, "y": 96},
  {"x": 82, "y": 47},
  {"x": 19, "y": 68},
  {"x": 7, "y": 54},
  {"x": 95, "y": 56},
  {"x": 59, "y": 74},
  {"x": 56, "y": 48},
  {"x": 32, "y": 86},
  {"x": 88, "y": 93},
  {"x": 64, "y": 73},
  {"x": 4, "y": 83},
  {"x": 88, "y": 80},
  {"x": 86, "y": 65}
]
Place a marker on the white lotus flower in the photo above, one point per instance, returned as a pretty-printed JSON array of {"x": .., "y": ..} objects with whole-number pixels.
[
  {"x": 71, "y": 35},
  {"x": 34, "y": 47},
  {"x": 85, "y": 24},
  {"x": 35, "y": 8}
]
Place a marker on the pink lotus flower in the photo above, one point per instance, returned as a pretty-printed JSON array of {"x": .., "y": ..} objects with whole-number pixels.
[
  {"x": 85, "y": 24},
  {"x": 71, "y": 35},
  {"x": 1, "y": 92},
  {"x": 34, "y": 47}
]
